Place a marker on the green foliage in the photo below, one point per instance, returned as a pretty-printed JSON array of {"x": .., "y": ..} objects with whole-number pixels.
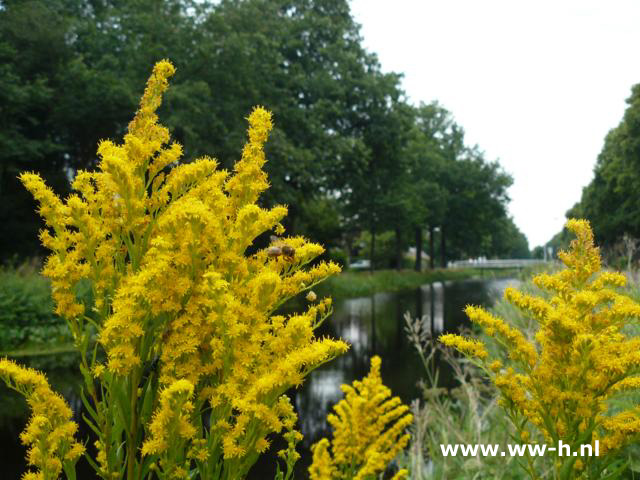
[
  {"x": 384, "y": 252},
  {"x": 348, "y": 153},
  {"x": 339, "y": 256},
  {"x": 477, "y": 201},
  {"x": 320, "y": 218},
  {"x": 611, "y": 201},
  {"x": 32, "y": 47},
  {"x": 507, "y": 241},
  {"x": 26, "y": 307},
  {"x": 466, "y": 195}
]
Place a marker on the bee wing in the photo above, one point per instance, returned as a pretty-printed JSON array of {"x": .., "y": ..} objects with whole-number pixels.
[{"x": 275, "y": 239}]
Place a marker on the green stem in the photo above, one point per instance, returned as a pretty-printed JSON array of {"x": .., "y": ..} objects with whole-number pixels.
[{"x": 133, "y": 429}]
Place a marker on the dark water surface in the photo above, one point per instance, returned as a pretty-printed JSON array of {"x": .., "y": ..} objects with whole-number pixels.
[{"x": 371, "y": 325}]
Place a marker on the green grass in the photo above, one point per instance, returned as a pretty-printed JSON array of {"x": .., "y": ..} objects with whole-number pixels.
[
  {"x": 360, "y": 284},
  {"x": 345, "y": 285},
  {"x": 38, "y": 350}
]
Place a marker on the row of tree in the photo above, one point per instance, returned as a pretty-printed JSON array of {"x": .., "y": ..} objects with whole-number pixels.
[
  {"x": 348, "y": 153},
  {"x": 611, "y": 201}
]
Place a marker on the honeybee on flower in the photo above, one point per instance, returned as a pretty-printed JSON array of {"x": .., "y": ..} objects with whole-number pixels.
[{"x": 278, "y": 247}]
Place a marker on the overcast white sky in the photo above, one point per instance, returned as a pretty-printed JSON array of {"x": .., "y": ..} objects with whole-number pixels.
[{"x": 536, "y": 84}]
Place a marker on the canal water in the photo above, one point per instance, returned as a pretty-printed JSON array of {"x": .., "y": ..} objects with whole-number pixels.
[{"x": 372, "y": 325}]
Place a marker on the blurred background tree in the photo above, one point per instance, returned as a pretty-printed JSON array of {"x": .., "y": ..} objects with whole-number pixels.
[
  {"x": 611, "y": 201},
  {"x": 349, "y": 153}
]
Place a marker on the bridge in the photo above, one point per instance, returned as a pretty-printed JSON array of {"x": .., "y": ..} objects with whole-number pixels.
[{"x": 496, "y": 264}]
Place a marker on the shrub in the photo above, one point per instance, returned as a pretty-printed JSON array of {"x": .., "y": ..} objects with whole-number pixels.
[{"x": 26, "y": 310}]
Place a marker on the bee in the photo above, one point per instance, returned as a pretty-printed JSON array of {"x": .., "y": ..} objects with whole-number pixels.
[{"x": 278, "y": 247}]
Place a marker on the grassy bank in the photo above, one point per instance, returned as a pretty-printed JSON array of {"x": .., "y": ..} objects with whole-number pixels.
[
  {"x": 41, "y": 349},
  {"x": 359, "y": 284},
  {"x": 31, "y": 329}
]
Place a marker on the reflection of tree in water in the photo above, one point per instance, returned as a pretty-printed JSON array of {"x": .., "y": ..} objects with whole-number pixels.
[
  {"x": 320, "y": 394},
  {"x": 375, "y": 325},
  {"x": 321, "y": 390}
]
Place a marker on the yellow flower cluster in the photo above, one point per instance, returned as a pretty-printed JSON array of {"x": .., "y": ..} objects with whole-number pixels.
[
  {"x": 582, "y": 355},
  {"x": 171, "y": 426},
  {"x": 368, "y": 432},
  {"x": 180, "y": 272},
  {"x": 50, "y": 431},
  {"x": 468, "y": 346}
]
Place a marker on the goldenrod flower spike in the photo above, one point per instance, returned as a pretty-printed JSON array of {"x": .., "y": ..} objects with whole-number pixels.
[
  {"x": 171, "y": 430},
  {"x": 368, "y": 432},
  {"x": 162, "y": 246},
  {"x": 50, "y": 431},
  {"x": 249, "y": 179},
  {"x": 144, "y": 123},
  {"x": 467, "y": 346},
  {"x": 559, "y": 387}
]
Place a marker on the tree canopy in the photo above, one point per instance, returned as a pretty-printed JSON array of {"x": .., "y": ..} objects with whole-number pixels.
[
  {"x": 611, "y": 201},
  {"x": 349, "y": 152}
]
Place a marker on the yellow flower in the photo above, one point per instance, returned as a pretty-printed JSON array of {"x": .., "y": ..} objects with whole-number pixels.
[
  {"x": 163, "y": 247},
  {"x": 582, "y": 356},
  {"x": 368, "y": 431},
  {"x": 50, "y": 431},
  {"x": 172, "y": 430},
  {"x": 322, "y": 466},
  {"x": 172, "y": 419},
  {"x": 402, "y": 474},
  {"x": 468, "y": 346}
]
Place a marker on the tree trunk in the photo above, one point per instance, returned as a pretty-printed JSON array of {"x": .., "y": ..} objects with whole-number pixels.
[
  {"x": 373, "y": 249},
  {"x": 418, "y": 266},
  {"x": 399, "y": 256},
  {"x": 631, "y": 244},
  {"x": 432, "y": 250},
  {"x": 349, "y": 249},
  {"x": 443, "y": 250},
  {"x": 373, "y": 324}
]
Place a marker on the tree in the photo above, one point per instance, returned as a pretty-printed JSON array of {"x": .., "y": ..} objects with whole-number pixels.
[
  {"x": 464, "y": 196},
  {"x": 508, "y": 241},
  {"x": 32, "y": 53},
  {"x": 611, "y": 201},
  {"x": 434, "y": 140},
  {"x": 302, "y": 59},
  {"x": 348, "y": 150},
  {"x": 372, "y": 178}
]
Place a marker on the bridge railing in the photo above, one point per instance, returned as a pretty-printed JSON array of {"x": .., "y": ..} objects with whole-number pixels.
[{"x": 495, "y": 264}]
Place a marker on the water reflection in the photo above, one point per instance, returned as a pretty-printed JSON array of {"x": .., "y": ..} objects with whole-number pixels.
[
  {"x": 432, "y": 305},
  {"x": 375, "y": 326},
  {"x": 372, "y": 325}
]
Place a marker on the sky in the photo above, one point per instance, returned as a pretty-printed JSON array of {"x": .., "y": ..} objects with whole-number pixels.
[{"x": 535, "y": 84}]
